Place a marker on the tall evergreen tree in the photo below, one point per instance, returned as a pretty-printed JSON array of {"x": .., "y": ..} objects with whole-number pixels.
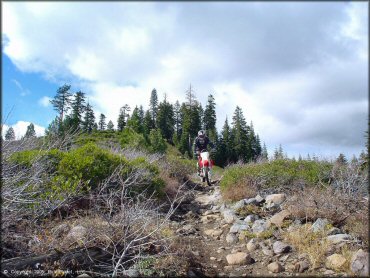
[
  {"x": 209, "y": 118},
  {"x": 153, "y": 106},
  {"x": 78, "y": 105},
  {"x": 240, "y": 136},
  {"x": 10, "y": 134},
  {"x": 30, "y": 133},
  {"x": 177, "y": 121},
  {"x": 89, "y": 119},
  {"x": 110, "y": 126},
  {"x": 165, "y": 120},
  {"x": 135, "y": 122},
  {"x": 123, "y": 115},
  {"x": 141, "y": 114},
  {"x": 62, "y": 100},
  {"x": 264, "y": 153},
  {"x": 102, "y": 124},
  {"x": 148, "y": 123}
]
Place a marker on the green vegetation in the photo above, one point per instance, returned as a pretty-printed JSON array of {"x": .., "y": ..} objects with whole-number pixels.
[{"x": 276, "y": 173}]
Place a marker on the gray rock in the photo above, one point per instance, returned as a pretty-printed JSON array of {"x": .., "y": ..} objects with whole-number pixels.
[
  {"x": 251, "y": 201},
  {"x": 278, "y": 218},
  {"x": 231, "y": 238},
  {"x": 259, "y": 199},
  {"x": 229, "y": 216},
  {"x": 251, "y": 218},
  {"x": 280, "y": 247},
  {"x": 260, "y": 226},
  {"x": 238, "y": 205},
  {"x": 339, "y": 238},
  {"x": 252, "y": 245},
  {"x": 236, "y": 228},
  {"x": 335, "y": 261},
  {"x": 334, "y": 231},
  {"x": 267, "y": 252},
  {"x": 301, "y": 266},
  {"x": 360, "y": 263},
  {"x": 84, "y": 275},
  {"x": 319, "y": 225},
  {"x": 187, "y": 230}
]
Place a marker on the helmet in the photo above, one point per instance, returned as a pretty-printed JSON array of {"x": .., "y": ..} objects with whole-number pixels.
[{"x": 201, "y": 133}]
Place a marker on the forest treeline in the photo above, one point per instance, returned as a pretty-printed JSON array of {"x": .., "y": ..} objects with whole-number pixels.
[{"x": 176, "y": 123}]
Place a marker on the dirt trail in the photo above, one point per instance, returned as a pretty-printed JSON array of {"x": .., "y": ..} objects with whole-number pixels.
[{"x": 204, "y": 226}]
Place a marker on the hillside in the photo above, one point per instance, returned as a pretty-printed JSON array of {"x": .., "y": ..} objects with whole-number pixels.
[{"x": 106, "y": 204}]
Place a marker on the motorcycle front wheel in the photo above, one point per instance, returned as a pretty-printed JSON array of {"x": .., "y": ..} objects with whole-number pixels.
[{"x": 207, "y": 176}]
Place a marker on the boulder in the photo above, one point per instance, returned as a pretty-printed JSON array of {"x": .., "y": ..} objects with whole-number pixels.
[
  {"x": 274, "y": 200},
  {"x": 260, "y": 226},
  {"x": 339, "y": 238},
  {"x": 239, "y": 258},
  {"x": 360, "y": 263},
  {"x": 275, "y": 267},
  {"x": 280, "y": 247},
  {"x": 319, "y": 225},
  {"x": 259, "y": 199},
  {"x": 231, "y": 238},
  {"x": 335, "y": 261},
  {"x": 229, "y": 216},
  {"x": 279, "y": 217}
]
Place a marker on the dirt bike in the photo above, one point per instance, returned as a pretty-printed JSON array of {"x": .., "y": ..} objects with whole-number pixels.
[{"x": 205, "y": 165}]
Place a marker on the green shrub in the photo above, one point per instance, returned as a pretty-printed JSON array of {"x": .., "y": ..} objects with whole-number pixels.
[
  {"x": 26, "y": 158},
  {"x": 157, "y": 143},
  {"x": 281, "y": 172},
  {"x": 129, "y": 138},
  {"x": 90, "y": 163}
]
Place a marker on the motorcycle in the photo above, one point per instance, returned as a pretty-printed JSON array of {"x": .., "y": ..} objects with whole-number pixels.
[{"x": 205, "y": 165}]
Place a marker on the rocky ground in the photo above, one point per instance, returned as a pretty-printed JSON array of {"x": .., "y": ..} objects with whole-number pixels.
[{"x": 228, "y": 240}]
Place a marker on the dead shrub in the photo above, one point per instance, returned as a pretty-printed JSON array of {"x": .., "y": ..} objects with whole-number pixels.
[
  {"x": 357, "y": 224},
  {"x": 311, "y": 203},
  {"x": 247, "y": 188}
]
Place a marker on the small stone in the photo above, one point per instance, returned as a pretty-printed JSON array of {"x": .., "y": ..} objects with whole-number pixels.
[
  {"x": 250, "y": 218},
  {"x": 238, "y": 205},
  {"x": 301, "y": 266},
  {"x": 131, "y": 272},
  {"x": 319, "y": 225},
  {"x": 329, "y": 272},
  {"x": 260, "y": 226},
  {"x": 360, "y": 263},
  {"x": 251, "y": 201},
  {"x": 229, "y": 216},
  {"x": 196, "y": 253},
  {"x": 84, "y": 275},
  {"x": 207, "y": 212},
  {"x": 339, "y": 238},
  {"x": 212, "y": 258},
  {"x": 217, "y": 233},
  {"x": 259, "y": 199},
  {"x": 252, "y": 245},
  {"x": 334, "y": 231},
  {"x": 236, "y": 228},
  {"x": 278, "y": 218},
  {"x": 228, "y": 267},
  {"x": 77, "y": 233},
  {"x": 335, "y": 261},
  {"x": 208, "y": 232},
  {"x": 239, "y": 258},
  {"x": 275, "y": 267},
  {"x": 219, "y": 251},
  {"x": 231, "y": 238},
  {"x": 274, "y": 200},
  {"x": 267, "y": 252},
  {"x": 281, "y": 247}
]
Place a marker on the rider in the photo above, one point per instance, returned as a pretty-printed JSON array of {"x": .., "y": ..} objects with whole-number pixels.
[{"x": 201, "y": 142}]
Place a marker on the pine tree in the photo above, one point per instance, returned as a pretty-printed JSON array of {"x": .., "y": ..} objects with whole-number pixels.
[
  {"x": 141, "y": 114},
  {"x": 54, "y": 128},
  {"x": 177, "y": 120},
  {"x": 153, "y": 106},
  {"x": 89, "y": 120},
  {"x": 299, "y": 157},
  {"x": 102, "y": 124},
  {"x": 123, "y": 115},
  {"x": 62, "y": 100},
  {"x": 264, "y": 153},
  {"x": 240, "y": 136},
  {"x": 78, "y": 108},
  {"x": 148, "y": 123},
  {"x": 209, "y": 118},
  {"x": 165, "y": 120},
  {"x": 10, "y": 134},
  {"x": 157, "y": 142},
  {"x": 30, "y": 133},
  {"x": 341, "y": 160},
  {"x": 135, "y": 122},
  {"x": 110, "y": 126}
]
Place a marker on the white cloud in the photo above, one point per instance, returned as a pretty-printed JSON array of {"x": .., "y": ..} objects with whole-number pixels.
[
  {"x": 44, "y": 101},
  {"x": 279, "y": 62},
  {"x": 20, "y": 129}
]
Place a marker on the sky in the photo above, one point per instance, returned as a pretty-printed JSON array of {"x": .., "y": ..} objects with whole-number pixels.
[{"x": 298, "y": 70}]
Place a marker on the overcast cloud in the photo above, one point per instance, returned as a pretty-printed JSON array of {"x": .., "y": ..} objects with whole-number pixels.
[{"x": 298, "y": 70}]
